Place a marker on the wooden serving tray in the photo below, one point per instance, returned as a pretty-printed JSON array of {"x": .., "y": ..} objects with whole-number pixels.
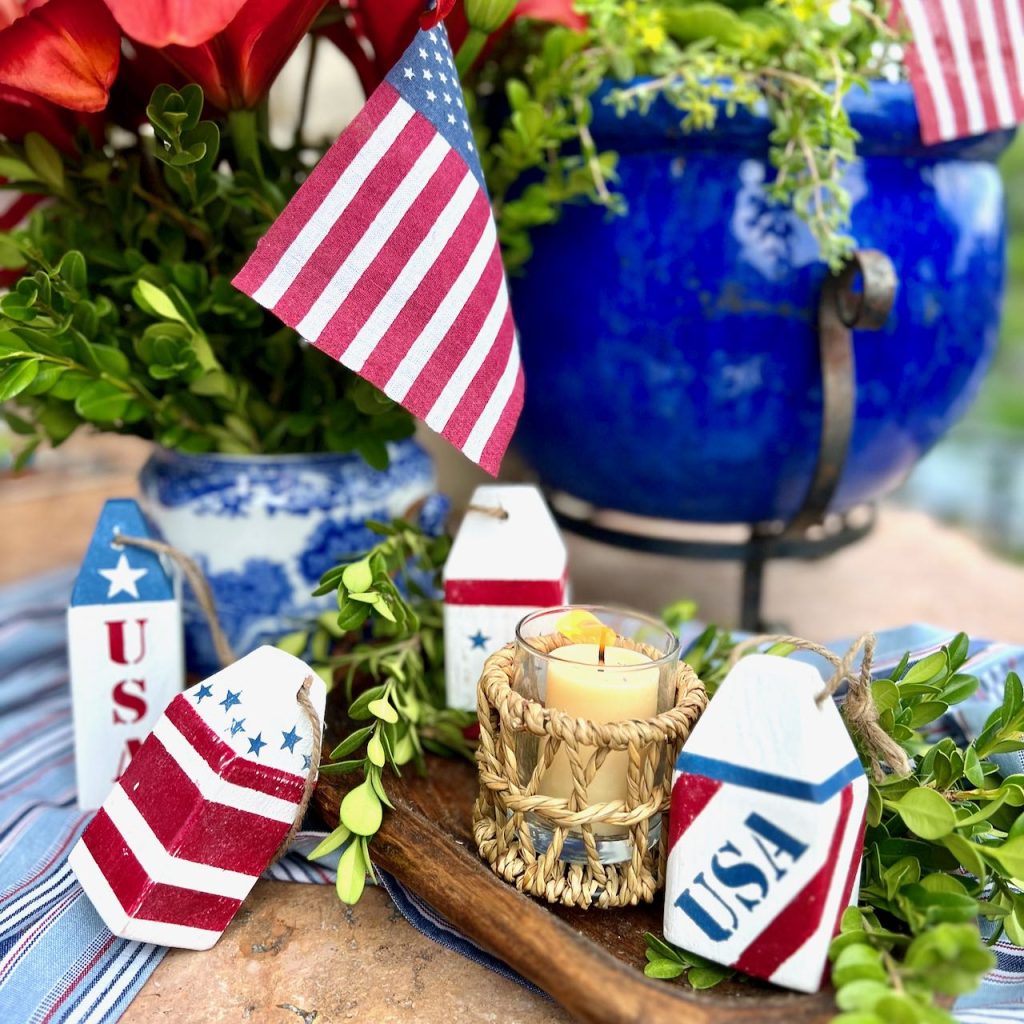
[{"x": 590, "y": 961}]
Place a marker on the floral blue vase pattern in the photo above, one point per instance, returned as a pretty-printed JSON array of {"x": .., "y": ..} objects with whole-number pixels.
[{"x": 264, "y": 529}]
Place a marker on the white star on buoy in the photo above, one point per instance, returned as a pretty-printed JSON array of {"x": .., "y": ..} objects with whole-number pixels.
[{"x": 123, "y": 578}]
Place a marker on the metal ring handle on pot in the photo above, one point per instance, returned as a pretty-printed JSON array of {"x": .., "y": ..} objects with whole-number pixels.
[{"x": 841, "y": 308}]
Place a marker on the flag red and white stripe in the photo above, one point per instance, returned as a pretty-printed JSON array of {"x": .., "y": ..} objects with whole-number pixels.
[
  {"x": 182, "y": 837},
  {"x": 966, "y": 63},
  {"x": 387, "y": 259}
]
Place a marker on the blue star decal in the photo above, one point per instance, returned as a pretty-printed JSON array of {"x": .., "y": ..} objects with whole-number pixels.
[
  {"x": 231, "y": 700},
  {"x": 306, "y": 762},
  {"x": 291, "y": 737},
  {"x": 256, "y": 743},
  {"x": 203, "y": 691},
  {"x": 479, "y": 641},
  {"x": 237, "y": 726}
]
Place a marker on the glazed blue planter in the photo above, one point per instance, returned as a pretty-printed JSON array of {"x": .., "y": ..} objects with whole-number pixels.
[
  {"x": 264, "y": 529},
  {"x": 671, "y": 355}
]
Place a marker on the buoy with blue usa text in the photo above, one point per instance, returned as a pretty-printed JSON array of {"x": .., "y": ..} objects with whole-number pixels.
[{"x": 766, "y": 826}]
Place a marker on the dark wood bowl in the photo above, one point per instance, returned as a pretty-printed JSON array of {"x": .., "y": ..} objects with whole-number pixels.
[{"x": 590, "y": 961}]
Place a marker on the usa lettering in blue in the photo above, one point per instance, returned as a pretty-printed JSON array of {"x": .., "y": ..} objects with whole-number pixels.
[{"x": 740, "y": 877}]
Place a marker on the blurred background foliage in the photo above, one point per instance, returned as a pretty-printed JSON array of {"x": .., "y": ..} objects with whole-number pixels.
[
  {"x": 1001, "y": 402},
  {"x": 975, "y": 476}
]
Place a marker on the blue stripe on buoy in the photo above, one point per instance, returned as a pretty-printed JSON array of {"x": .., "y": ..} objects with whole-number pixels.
[{"x": 766, "y": 782}]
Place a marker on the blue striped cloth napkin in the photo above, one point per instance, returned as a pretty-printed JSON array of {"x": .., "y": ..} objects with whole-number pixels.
[{"x": 59, "y": 963}]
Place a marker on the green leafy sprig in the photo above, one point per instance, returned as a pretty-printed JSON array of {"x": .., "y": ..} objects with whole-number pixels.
[
  {"x": 393, "y": 679},
  {"x": 667, "y": 962},
  {"x": 788, "y": 59},
  {"x": 943, "y": 847},
  {"x": 125, "y": 317}
]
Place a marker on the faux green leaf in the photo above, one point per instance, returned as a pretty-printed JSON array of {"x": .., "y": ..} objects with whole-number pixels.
[
  {"x": 927, "y": 670},
  {"x": 358, "y": 577},
  {"x": 293, "y": 643},
  {"x": 360, "y": 707},
  {"x": 351, "y": 874},
  {"x": 926, "y": 813},
  {"x": 351, "y": 742},
  {"x": 1010, "y": 857},
  {"x": 380, "y": 708},
  {"x": 156, "y": 301},
  {"x": 45, "y": 160},
  {"x": 14, "y": 379},
  {"x": 707, "y": 975},
  {"x": 361, "y": 810},
  {"x": 330, "y": 843},
  {"x": 375, "y": 750},
  {"x": 101, "y": 402},
  {"x": 663, "y": 969},
  {"x": 861, "y": 995}
]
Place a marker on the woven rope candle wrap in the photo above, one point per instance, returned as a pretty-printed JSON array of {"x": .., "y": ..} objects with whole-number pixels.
[{"x": 510, "y": 723}]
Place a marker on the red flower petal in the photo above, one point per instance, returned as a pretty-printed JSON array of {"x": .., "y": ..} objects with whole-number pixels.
[
  {"x": 559, "y": 11},
  {"x": 440, "y": 11},
  {"x": 21, "y": 113},
  {"x": 66, "y": 51},
  {"x": 237, "y": 66},
  {"x": 182, "y": 22}
]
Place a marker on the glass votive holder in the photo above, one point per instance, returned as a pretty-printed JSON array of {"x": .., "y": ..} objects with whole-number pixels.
[{"x": 578, "y": 740}]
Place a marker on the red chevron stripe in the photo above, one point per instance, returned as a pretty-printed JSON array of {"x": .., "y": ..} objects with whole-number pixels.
[
  {"x": 690, "y": 795},
  {"x": 228, "y": 763},
  {"x": 797, "y": 921},
  {"x": 851, "y": 876},
  {"x": 185, "y": 823},
  {"x": 143, "y": 898}
]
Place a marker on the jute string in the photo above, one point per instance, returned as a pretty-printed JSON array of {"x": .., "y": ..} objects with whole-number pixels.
[
  {"x": 226, "y": 656},
  {"x": 200, "y": 587},
  {"x": 858, "y": 709},
  {"x": 494, "y": 511}
]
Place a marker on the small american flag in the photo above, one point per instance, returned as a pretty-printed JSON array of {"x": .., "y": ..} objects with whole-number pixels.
[
  {"x": 387, "y": 259},
  {"x": 966, "y": 65}
]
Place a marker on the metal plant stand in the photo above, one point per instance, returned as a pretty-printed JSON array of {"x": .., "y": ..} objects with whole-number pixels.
[{"x": 860, "y": 296}]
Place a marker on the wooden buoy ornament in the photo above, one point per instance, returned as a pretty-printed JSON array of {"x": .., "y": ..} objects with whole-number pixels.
[
  {"x": 124, "y": 649},
  {"x": 766, "y": 826},
  {"x": 211, "y": 797}
]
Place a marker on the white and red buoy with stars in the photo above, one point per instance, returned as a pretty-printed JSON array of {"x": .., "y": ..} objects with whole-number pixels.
[
  {"x": 205, "y": 804},
  {"x": 508, "y": 560}
]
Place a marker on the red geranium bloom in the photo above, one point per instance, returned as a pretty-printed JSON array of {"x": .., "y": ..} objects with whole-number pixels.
[
  {"x": 66, "y": 51},
  {"x": 182, "y": 22},
  {"x": 237, "y": 66},
  {"x": 385, "y": 28}
]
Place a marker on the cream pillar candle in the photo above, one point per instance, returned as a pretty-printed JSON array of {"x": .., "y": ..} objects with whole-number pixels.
[{"x": 614, "y": 692}]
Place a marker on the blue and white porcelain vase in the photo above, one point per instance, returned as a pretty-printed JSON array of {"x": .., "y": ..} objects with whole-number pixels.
[{"x": 264, "y": 529}]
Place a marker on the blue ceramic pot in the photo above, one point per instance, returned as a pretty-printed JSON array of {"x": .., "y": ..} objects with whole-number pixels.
[
  {"x": 265, "y": 528},
  {"x": 671, "y": 356}
]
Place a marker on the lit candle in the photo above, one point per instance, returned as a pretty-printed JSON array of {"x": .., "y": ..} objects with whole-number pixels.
[{"x": 614, "y": 690}]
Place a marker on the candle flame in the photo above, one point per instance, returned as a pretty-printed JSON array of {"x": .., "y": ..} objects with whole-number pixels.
[{"x": 583, "y": 627}]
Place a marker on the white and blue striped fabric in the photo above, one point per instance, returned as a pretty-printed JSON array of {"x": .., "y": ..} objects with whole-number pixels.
[{"x": 58, "y": 962}]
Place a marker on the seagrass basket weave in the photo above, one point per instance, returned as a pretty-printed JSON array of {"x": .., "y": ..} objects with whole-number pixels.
[{"x": 513, "y": 727}]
